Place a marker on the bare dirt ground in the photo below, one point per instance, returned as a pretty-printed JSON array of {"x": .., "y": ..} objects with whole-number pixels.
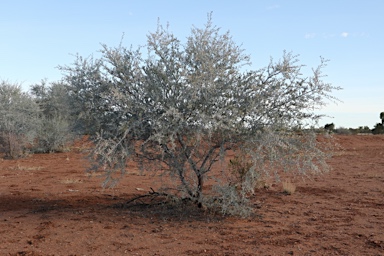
[{"x": 49, "y": 206}]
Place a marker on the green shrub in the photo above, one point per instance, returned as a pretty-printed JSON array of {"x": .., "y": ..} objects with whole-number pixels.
[
  {"x": 329, "y": 127},
  {"x": 378, "y": 129}
]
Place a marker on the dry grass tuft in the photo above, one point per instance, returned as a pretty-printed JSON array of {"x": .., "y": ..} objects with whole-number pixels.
[
  {"x": 71, "y": 181},
  {"x": 25, "y": 168},
  {"x": 288, "y": 187}
]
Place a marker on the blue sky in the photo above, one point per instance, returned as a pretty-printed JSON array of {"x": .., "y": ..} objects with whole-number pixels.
[{"x": 37, "y": 36}]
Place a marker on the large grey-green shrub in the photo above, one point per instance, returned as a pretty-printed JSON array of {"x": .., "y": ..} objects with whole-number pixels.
[{"x": 181, "y": 106}]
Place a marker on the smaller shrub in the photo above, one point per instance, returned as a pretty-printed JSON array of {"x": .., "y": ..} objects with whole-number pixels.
[
  {"x": 329, "y": 127},
  {"x": 12, "y": 145},
  {"x": 239, "y": 167},
  {"x": 54, "y": 135},
  {"x": 228, "y": 201}
]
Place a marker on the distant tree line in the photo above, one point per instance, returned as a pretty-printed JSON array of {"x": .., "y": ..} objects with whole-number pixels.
[
  {"x": 39, "y": 121},
  {"x": 377, "y": 129}
]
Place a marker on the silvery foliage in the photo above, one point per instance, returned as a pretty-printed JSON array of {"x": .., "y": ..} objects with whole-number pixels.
[
  {"x": 18, "y": 120},
  {"x": 57, "y": 124},
  {"x": 182, "y": 107},
  {"x": 53, "y": 99}
]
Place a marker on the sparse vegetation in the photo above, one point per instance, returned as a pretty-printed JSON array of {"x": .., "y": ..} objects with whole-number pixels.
[
  {"x": 71, "y": 181},
  {"x": 239, "y": 167},
  {"x": 343, "y": 131},
  {"x": 19, "y": 120},
  {"x": 353, "y": 131},
  {"x": 19, "y": 167},
  {"x": 57, "y": 124},
  {"x": 364, "y": 129},
  {"x": 378, "y": 129}
]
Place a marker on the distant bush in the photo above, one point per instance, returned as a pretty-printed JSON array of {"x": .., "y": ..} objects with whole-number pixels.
[
  {"x": 19, "y": 120},
  {"x": 53, "y": 99},
  {"x": 344, "y": 131},
  {"x": 56, "y": 128},
  {"x": 53, "y": 136},
  {"x": 364, "y": 129},
  {"x": 378, "y": 129},
  {"x": 329, "y": 127},
  {"x": 359, "y": 130},
  {"x": 36, "y": 122}
]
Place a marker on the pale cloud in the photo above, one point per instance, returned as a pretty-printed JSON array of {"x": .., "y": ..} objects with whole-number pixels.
[
  {"x": 359, "y": 34},
  {"x": 363, "y": 34},
  {"x": 313, "y": 35},
  {"x": 310, "y": 35},
  {"x": 344, "y": 34},
  {"x": 274, "y": 6},
  {"x": 328, "y": 35}
]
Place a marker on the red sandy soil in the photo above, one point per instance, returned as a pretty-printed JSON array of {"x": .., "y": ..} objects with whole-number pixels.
[{"x": 49, "y": 206}]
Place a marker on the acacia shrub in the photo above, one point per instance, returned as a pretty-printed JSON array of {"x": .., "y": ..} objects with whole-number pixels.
[{"x": 180, "y": 109}]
